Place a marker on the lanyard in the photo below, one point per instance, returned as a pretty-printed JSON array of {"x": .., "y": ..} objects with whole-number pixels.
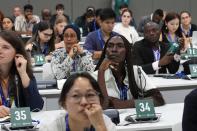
[
  {"x": 187, "y": 34},
  {"x": 156, "y": 54},
  {"x": 67, "y": 125},
  {"x": 101, "y": 41},
  {"x": 45, "y": 50},
  {"x": 170, "y": 38},
  {"x": 68, "y": 128},
  {"x": 5, "y": 101},
  {"x": 94, "y": 22},
  {"x": 123, "y": 91}
]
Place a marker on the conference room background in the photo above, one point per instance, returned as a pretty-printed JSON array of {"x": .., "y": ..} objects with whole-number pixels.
[{"x": 76, "y": 8}]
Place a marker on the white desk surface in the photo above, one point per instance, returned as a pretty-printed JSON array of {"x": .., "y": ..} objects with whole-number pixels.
[
  {"x": 163, "y": 82},
  {"x": 158, "y": 81},
  {"x": 171, "y": 117},
  {"x": 49, "y": 92},
  {"x": 37, "y": 69}
]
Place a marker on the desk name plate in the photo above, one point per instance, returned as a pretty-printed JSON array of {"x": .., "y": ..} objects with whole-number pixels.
[{"x": 145, "y": 108}]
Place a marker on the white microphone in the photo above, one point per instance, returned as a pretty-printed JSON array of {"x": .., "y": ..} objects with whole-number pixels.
[{"x": 140, "y": 77}]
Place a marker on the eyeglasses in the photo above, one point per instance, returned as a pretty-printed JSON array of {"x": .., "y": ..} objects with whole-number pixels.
[
  {"x": 46, "y": 34},
  {"x": 69, "y": 35},
  {"x": 90, "y": 97}
]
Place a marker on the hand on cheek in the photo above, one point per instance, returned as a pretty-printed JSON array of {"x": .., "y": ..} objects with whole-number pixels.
[{"x": 4, "y": 111}]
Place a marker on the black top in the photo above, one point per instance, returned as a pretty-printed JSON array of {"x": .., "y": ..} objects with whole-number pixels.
[{"x": 143, "y": 55}]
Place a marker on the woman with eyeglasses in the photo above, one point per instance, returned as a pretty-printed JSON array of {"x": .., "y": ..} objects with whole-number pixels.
[
  {"x": 72, "y": 58},
  {"x": 81, "y": 98},
  {"x": 43, "y": 41}
]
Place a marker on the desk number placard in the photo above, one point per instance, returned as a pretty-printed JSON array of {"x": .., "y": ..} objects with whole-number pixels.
[
  {"x": 193, "y": 70},
  {"x": 192, "y": 52},
  {"x": 39, "y": 59},
  {"x": 145, "y": 108},
  {"x": 20, "y": 117}
]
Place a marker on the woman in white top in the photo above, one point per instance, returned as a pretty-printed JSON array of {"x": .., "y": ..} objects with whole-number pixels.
[
  {"x": 81, "y": 97},
  {"x": 125, "y": 29}
]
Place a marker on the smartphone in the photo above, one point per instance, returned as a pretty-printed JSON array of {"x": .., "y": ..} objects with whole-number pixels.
[{"x": 174, "y": 47}]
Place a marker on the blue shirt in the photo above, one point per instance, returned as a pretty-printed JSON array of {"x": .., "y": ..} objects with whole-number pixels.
[{"x": 95, "y": 41}]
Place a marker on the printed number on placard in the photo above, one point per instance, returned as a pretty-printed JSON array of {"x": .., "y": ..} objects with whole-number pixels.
[
  {"x": 39, "y": 58},
  {"x": 194, "y": 69},
  {"x": 144, "y": 107},
  {"x": 20, "y": 115}
]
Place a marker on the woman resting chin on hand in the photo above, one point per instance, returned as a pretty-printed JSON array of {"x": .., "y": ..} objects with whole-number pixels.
[{"x": 81, "y": 98}]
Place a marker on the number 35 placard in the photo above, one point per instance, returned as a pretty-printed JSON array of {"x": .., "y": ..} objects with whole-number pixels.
[{"x": 20, "y": 117}]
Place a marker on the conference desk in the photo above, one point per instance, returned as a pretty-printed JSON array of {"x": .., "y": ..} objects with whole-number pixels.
[
  {"x": 174, "y": 90},
  {"x": 170, "y": 120}
]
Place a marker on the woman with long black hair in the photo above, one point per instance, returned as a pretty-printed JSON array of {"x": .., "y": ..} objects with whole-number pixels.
[{"x": 116, "y": 76}]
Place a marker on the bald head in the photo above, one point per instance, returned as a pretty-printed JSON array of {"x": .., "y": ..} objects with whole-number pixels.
[
  {"x": 151, "y": 24},
  {"x": 152, "y": 32},
  {"x": 46, "y": 14}
]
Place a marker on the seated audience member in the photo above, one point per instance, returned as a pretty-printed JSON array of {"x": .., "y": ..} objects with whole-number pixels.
[
  {"x": 43, "y": 41},
  {"x": 125, "y": 29},
  {"x": 81, "y": 97},
  {"x": 186, "y": 26},
  {"x": 16, "y": 12},
  {"x": 8, "y": 24},
  {"x": 16, "y": 75},
  {"x": 171, "y": 29},
  {"x": 1, "y": 19},
  {"x": 156, "y": 17},
  {"x": 95, "y": 40},
  {"x": 24, "y": 23},
  {"x": 60, "y": 23},
  {"x": 46, "y": 16},
  {"x": 94, "y": 25},
  {"x": 189, "y": 121},
  {"x": 84, "y": 21},
  {"x": 152, "y": 54},
  {"x": 59, "y": 12},
  {"x": 172, "y": 33},
  {"x": 72, "y": 58},
  {"x": 116, "y": 78},
  {"x": 122, "y": 7}
]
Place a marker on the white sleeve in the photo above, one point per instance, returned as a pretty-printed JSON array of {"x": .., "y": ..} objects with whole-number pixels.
[
  {"x": 155, "y": 65},
  {"x": 109, "y": 124}
]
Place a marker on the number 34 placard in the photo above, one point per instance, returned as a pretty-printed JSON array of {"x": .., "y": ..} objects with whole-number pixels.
[
  {"x": 145, "y": 108},
  {"x": 20, "y": 117}
]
